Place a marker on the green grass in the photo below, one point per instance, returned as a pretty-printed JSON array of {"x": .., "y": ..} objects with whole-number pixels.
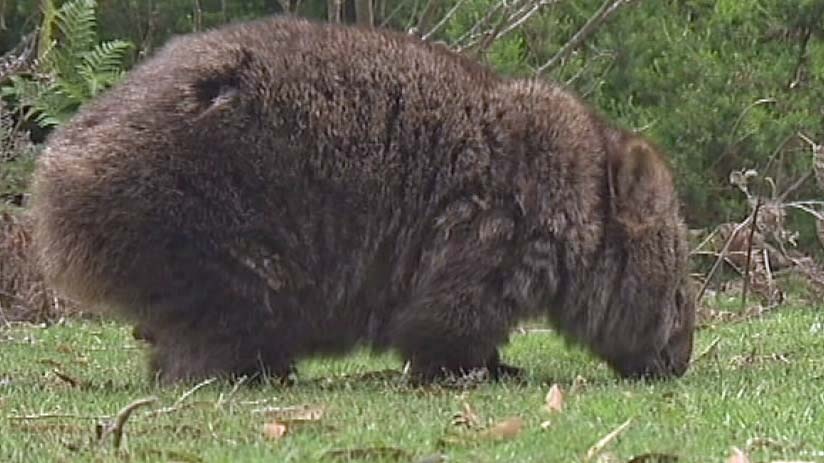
[{"x": 759, "y": 388}]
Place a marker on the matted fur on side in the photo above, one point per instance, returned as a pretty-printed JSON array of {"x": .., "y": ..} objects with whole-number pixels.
[{"x": 280, "y": 188}]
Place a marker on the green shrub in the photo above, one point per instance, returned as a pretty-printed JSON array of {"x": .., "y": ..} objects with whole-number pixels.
[{"x": 71, "y": 67}]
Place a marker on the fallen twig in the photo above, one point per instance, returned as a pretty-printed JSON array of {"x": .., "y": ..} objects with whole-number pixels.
[
  {"x": 191, "y": 391},
  {"x": 706, "y": 351},
  {"x": 599, "y": 446},
  {"x": 68, "y": 379},
  {"x": 223, "y": 400},
  {"x": 115, "y": 428}
]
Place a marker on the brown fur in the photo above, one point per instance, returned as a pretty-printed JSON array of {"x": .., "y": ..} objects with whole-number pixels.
[{"x": 280, "y": 188}]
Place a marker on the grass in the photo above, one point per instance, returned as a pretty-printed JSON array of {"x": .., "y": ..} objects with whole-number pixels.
[{"x": 759, "y": 387}]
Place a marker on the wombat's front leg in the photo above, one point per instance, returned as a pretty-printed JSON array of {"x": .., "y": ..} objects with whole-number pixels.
[
  {"x": 457, "y": 315},
  {"x": 499, "y": 370}
]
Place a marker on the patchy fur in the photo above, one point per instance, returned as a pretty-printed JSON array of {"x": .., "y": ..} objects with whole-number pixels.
[{"x": 281, "y": 188}]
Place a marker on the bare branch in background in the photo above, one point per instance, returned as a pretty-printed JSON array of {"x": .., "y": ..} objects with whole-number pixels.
[
  {"x": 363, "y": 13},
  {"x": 503, "y": 18},
  {"x": 444, "y": 20},
  {"x": 386, "y": 18},
  {"x": 333, "y": 10},
  {"x": 609, "y": 8},
  {"x": 197, "y": 19},
  {"x": 427, "y": 16}
]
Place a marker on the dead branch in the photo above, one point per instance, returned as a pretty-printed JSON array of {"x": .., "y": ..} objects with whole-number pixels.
[
  {"x": 224, "y": 400},
  {"x": 363, "y": 13},
  {"x": 721, "y": 255},
  {"x": 749, "y": 254},
  {"x": 191, "y": 391},
  {"x": 115, "y": 428},
  {"x": 609, "y": 8},
  {"x": 599, "y": 446},
  {"x": 443, "y": 20},
  {"x": 426, "y": 16},
  {"x": 710, "y": 348}
]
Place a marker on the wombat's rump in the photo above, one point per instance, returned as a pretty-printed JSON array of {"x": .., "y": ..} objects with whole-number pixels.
[{"x": 280, "y": 188}]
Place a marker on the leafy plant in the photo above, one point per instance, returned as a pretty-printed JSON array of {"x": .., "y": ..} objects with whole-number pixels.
[
  {"x": 17, "y": 155},
  {"x": 71, "y": 67}
]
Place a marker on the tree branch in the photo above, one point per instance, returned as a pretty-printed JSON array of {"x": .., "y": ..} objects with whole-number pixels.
[{"x": 599, "y": 18}]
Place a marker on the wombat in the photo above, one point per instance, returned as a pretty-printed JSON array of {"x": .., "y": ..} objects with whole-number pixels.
[{"x": 281, "y": 188}]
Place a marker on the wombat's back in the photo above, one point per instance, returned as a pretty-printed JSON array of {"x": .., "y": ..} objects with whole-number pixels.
[{"x": 278, "y": 151}]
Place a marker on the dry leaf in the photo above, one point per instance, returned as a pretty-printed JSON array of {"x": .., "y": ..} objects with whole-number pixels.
[
  {"x": 506, "y": 429},
  {"x": 554, "y": 399},
  {"x": 738, "y": 456},
  {"x": 467, "y": 417},
  {"x": 546, "y": 424},
  {"x": 579, "y": 384},
  {"x": 274, "y": 430}
]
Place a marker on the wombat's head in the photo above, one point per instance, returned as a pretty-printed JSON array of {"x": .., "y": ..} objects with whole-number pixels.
[{"x": 647, "y": 327}]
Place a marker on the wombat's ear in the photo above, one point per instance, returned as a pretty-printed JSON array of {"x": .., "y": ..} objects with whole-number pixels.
[
  {"x": 217, "y": 85},
  {"x": 641, "y": 184},
  {"x": 214, "y": 93}
]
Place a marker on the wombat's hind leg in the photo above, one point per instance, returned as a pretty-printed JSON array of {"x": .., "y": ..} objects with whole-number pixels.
[
  {"x": 218, "y": 333},
  {"x": 186, "y": 356}
]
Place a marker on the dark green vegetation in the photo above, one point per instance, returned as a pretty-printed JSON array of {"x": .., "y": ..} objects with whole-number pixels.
[{"x": 757, "y": 388}]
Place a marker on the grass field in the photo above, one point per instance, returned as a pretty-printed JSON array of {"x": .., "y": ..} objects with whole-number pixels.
[{"x": 757, "y": 384}]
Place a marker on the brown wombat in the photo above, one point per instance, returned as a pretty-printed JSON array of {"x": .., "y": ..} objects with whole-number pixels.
[{"x": 281, "y": 188}]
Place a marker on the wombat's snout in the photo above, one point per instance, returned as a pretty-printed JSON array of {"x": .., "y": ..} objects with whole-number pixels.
[
  {"x": 674, "y": 358},
  {"x": 670, "y": 362}
]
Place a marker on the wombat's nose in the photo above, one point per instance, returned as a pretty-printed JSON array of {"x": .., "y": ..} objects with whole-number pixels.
[{"x": 663, "y": 365}]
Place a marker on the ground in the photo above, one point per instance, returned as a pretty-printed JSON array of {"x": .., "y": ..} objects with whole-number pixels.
[{"x": 757, "y": 384}]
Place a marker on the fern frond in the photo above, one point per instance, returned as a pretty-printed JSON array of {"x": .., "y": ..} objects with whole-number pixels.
[
  {"x": 106, "y": 58},
  {"x": 75, "y": 67},
  {"x": 76, "y": 21}
]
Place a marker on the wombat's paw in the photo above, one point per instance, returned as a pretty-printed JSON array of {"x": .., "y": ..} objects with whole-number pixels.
[
  {"x": 142, "y": 332},
  {"x": 463, "y": 378},
  {"x": 503, "y": 372},
  {"x": 267, "y": 376}
]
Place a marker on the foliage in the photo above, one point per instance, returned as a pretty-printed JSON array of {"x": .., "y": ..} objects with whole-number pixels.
[
  {"x": 721, "y": 86},
  {"x": 17, "y": 154},
  {"x": 71, "y": 67}
]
